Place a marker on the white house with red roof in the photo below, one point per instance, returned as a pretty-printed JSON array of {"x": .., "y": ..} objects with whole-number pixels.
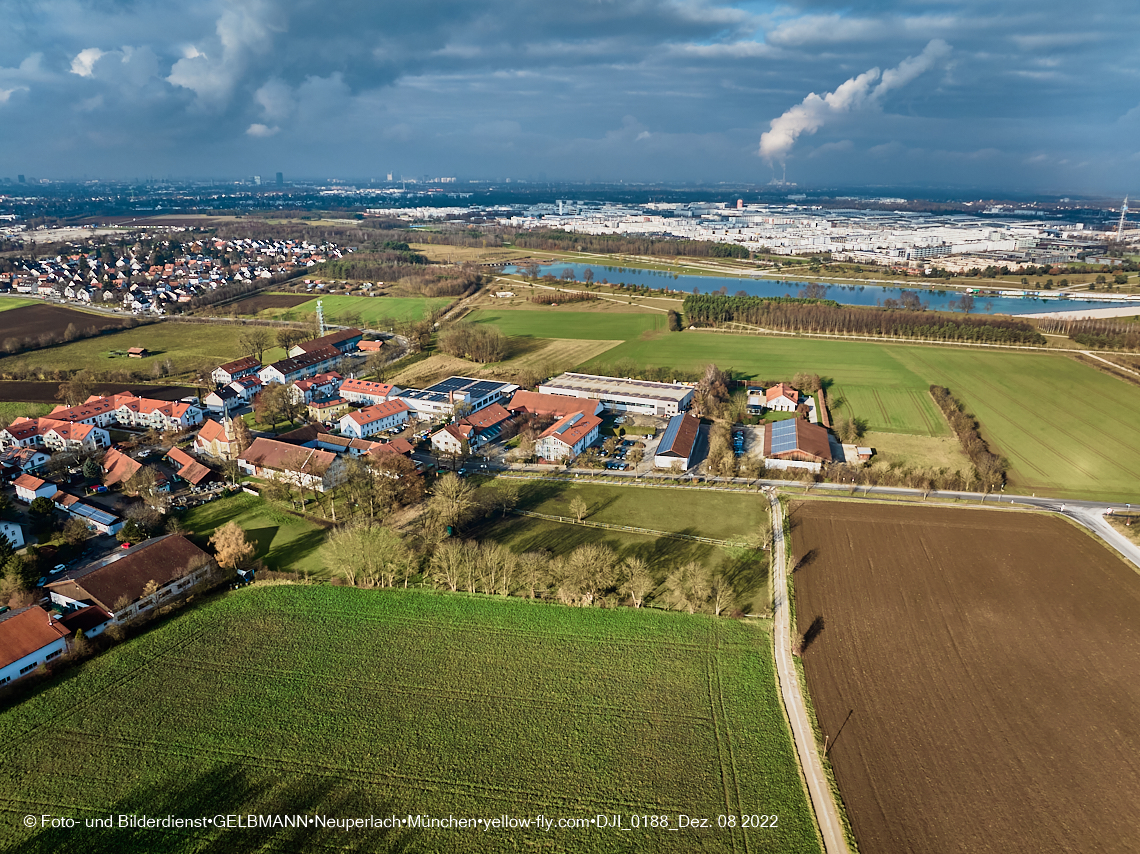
[
  {"x": 29, "y": 638},
  {"x": 569, "y": 436},
  {"x": 781, "y": 398},
  {"x": 247, "y": 387},
  {"x": 53, "y": 434},
  {"x": 373, "y": 419},
  {"x": 322, "y": 385},
  {"x": 367, "y": 391},
  {"x": 29, "y": 488}
]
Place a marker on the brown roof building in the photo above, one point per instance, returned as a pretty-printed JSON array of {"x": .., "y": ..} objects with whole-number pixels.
[
  {"x": 28, "y": 638},
  {"x": 344, "y": 340},
  {"x": 796, "y": 439}
]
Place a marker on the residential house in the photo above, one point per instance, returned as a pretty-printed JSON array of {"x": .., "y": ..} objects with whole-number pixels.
[
  {"x": 189, "y": 469},
  {"x": 54, "y": 435},
  {"x": 568, "y": 436},
  {"x": 781, "y": 398},
  {"x": 216, "y": 440},
  {"x": 13, "y": 532},
  {"x": 29, "y": 639},
  {"x": 344, "y": 340},
  {"x": 134, "y": 581},
  {"x": 322, "y": 385},
  {"x": 247, "y": 387},
  {"x": 300, "y": 367},
  {"x": 476, "y": 430},
  {"x": 29, "y": 488},
  {"x": 222, "y": 401},
  {"x": 309, "y": 467},
  {"x": 238, "y": 368},
  {"x": 373, "y": 419},
  {"x": 367, "y": 391},
  {"x": 23, "y": 459},
  {"x": 328, "y": 410},
  {"x": 370, "y": 346},
  {"x": 96, "y": 518}
]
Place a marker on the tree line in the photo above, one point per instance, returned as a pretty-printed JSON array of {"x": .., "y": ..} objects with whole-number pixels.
[
  {"x": 474, "y": 341},
  {"x": 991, "y": 468},
  {"x": 1100, "y": 334},
  {"x": 826, "y": 316},
  {"x": 616, "y": 244}
]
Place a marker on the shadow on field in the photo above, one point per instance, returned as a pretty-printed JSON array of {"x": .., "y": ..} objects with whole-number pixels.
[
  {"x": 262, "y": 539},
  {"x": 813, "y": 632},
  {"x": 806, "y": 560},
  {"x": 297, "y": 549},
  {"x": 227, "y": 790}
]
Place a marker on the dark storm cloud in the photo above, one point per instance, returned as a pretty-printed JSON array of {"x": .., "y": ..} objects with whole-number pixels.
[{"x": 1041, "y": 95}]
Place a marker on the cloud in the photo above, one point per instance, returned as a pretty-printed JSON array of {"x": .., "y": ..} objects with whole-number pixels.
[
  {"x": 85, "y": 60},
  {"x": 867, "y": 89},
  {"x": 258, "y": 129}
]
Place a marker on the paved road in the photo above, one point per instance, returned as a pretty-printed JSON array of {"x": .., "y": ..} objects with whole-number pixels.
[{"x": 826, "y": 811}]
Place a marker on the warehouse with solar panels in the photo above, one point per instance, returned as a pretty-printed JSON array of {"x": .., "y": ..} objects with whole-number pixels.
[
  {"x": 441, "y": 399},
  {"x": 677, "y": 443},
  {"x": 796, "y": 441},
  {"x": 623, "y": 395}
]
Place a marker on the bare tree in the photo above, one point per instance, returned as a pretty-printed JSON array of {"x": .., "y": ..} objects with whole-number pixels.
[
  {"x": 638, "y": 583},
  {"x": 255, "y": 341},
  {"x": 688, "y": 587},
  {"x": 231, "y": 546},
  {"x": 579, "y": 507}
]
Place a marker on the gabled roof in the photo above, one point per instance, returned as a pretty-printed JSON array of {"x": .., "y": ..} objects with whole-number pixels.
[
  {"x": 552, "y": 404},
  {"x": 679, "y": 437},
  {"x": 281, "y": 456},
  {"x": 396, "y": 446},
  {"x": 245, "y": 363},
  {"x": 486, "y": 418},
  {"x": 368, "y": 387},
  {"x": 24, "y": 632},
  {"x": 29, "y": 481},
  {"x": 212, "y": 431},
  {"x": 308, "y": 358},
  {"x": 376, "y": 412},
  {"x": 330, "y": 340},
  {"x": 782, "y": 390},
  {"x": 118, "y": 467},
  {"x": 569, "y": 429},
  {"x": 190, "y": 469}
]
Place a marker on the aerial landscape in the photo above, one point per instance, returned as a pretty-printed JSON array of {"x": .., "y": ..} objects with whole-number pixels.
[{"x": 661, "y": 427}]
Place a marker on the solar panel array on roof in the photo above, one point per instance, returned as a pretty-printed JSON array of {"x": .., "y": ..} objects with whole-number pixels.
[
  {"x": 783, "y": 436},
  {"x": 570, "y": 422},
  {"x": 92, "y": 513}
]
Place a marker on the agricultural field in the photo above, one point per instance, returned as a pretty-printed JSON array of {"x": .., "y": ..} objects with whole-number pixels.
[
  {"x": 190, "y": 347},
  {"x": 916, "y": 452},
  {"x": 552, "y": 323},
  {"x": 286, "y": 543},
  {"x": 267, "y": 302},
  {"x": 9, "y": 303},
  {"x": 1025, "y": 402},
  {"x": 974, "y": 672},
  {"x": 33, "y": 319},
  {"x": 316, "y": 700},
  {"x": 721, "y": 516},
  {"x": 45, "y": 392},
  {"x": 373, "y": 311}
]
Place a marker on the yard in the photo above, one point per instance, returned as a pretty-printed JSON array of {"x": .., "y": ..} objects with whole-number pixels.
[
  {"x": 287, "y": 543},
  {"x": 315, "y": 700}
]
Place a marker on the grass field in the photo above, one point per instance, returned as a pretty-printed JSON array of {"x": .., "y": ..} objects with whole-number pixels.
[
  {"x": 1028, "y": 404},
  {"x": 314, "y": 700},
  {"x": 17, "y": 302},
  {"x": 372, "y": 310},
  {"x": 191, "y": 347},
  {"x": 10, "y": 409},
  {"x": 286, "y": 543},
  {"x": 914, "y": 452},
  {"x": 539, "y": 323},
  {"x": 707, "y": 514}
]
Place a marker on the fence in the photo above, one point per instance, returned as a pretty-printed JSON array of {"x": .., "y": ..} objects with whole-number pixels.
[{"x": 629, "y": 529}]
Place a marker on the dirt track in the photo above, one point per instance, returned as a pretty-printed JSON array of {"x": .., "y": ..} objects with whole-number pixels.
[{"x": 975, "y": 674}]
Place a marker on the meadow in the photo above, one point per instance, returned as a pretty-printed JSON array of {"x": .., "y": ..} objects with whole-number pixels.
[
  {"x": 191, "y": 348},
  {"x": 1032, "y": 407},
  {"x": 315, "y": 700},
  {"x": 10, "y": 409},
  {"x": 286, "y": 543},
  {"x": 552, "y": 323},
  {"x": 372, "y": 311}
]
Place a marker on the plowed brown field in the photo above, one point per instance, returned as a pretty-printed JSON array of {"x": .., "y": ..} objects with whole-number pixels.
[
  {"x": 45, "y": 392},
  {"x": 977, "y": 676},
  {"x": 33, "y": 320}
]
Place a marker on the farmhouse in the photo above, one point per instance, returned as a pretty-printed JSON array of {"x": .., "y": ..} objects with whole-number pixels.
[
  {"x": 344, "y": 341},
  {"x": 677, "y": 442},
  {"x": 29, "y": 638},
  {"x": 230, "y": 371},
  {"x": 132, "y": 582},
  {"x": 29, "y": 488},
  {"x": 442, "y": 398},
  {"x": 300, "y": 367},
  {"x": 797, "y": 440},
  {"x": 552, "y": 404},
  {"x": 367, "y": 391},
  {"x": 568, "y": 436},
  {"x": 623, "y": 395},
  {"x": 373, "y": 419},
  {"x": 307, "y": 467},
  {"x": 217, "y": 440}
]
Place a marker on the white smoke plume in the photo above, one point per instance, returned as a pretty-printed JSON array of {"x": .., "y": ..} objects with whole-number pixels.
[{"x": 867, "y": 89}]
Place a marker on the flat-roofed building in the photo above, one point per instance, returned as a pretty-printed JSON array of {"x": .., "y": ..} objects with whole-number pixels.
[
  {"x": 677, "y": 442},
  {"x": 442, "y": 398},
  {"x": 623, "y": 395}
]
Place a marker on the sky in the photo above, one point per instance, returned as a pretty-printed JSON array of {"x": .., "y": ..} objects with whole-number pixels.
[{"x": 1041, "y": 97}]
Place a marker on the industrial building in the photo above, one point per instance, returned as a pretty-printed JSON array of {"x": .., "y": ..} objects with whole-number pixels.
[
  {"x": 442, "y": 398},
  {"x": 623, "y": 395},
  {"x": 677, "y": 442}
]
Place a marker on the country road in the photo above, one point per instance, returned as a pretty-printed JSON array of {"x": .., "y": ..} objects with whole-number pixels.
[{"x": 826, "y": 811}]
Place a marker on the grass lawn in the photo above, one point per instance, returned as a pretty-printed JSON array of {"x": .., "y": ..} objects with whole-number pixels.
[
  {"x": 10, "y": 409},
  {"x": 916, "y": 451},
  {"x": 705, "y": 514},
  {"x": 305, "y": 700},
  {"x": 372, "y": 310},
  {"x": 1025, "y": 402},
  {"x": 286, "y": 543},
  {"x": 191, "y": 347},
  {"x": 552, "y": 323},
  {"x": 17, "y": 302}
]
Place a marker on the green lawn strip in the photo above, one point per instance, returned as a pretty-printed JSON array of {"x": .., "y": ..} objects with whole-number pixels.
[
  {"x": 345, "y": 702},
  {"x": 7, "y": 303},
  {"x": 372, "y": 310},
  {"x": 12, "y": 409},
  {"x": 548, "y": 323},
  {"x": 190, "y": 347},
  {"x": 287, "y": 543}
]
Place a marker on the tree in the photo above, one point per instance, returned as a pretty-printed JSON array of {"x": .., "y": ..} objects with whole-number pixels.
[
  {"x": 688, "y": 587},
  {"x": 254, "y": 341},
  {"x": 130, "y": 533},
  {"x": 92, "y": 470},
  {"x": 231, "y": 546},
  {"x": 143, "y": 483},
  {"x": 637, "y": 583},
  {"x": 587, "y": 275},
  {"x": 721, "y": 596},
  {"x": 243, "y": 437},
  {"x": 451, "y": 500},
  {"x": 369, "y": 555},
  {"x": 75, "y": 531},
  {"x": 674, "y": 320},
  {"x": 287, "y": 337},
  {"x": 41, "y": 506},
  {"x": 274, "y": 404},
  {"x": 588, "y": 572},
  {"x": 505, "y": 497},
  {"x": 76, "y": 390},
  {"x": 579, "y": 507}
]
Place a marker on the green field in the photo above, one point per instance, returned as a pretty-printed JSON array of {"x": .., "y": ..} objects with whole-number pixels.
[
  {"x": 17, "y": 302},
  {"x": 372, "y": 310},
  {"x": 1032, "y": 407},
  {"x": 286, "y": 543},
  {"x": 550, "y": 323},
  {"x": 191, "y": 348},
  {"x": 11, "y": 409},
  {"x": 722, "y": 516},
  {"x": 315, "y": 700}
]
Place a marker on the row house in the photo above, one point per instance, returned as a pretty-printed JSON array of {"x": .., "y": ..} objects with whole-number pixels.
[
  {"x": 128, "y": 410},
  {"x": 367, "y": 391},
  {"x": 238, "y": 368},
  {"x": 247, "y": 387},
  {"x": 373, "y": 419},
  {"x": 302, "y": 367},
  {"x": 54, "y": 435}
]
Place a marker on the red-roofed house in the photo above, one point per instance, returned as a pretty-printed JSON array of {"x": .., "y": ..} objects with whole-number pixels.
[
  {"x": 476, "y": 429},
  {"x": 367, "y": 391},
  {"x": 552, "y": 404},
  {"x": 216, "y": 440},
  {"x": 29, "y": 638},
  {"x": 781, "y": 398},
  {"x": 373, "y": 419},
  {"x": 54, "y": 434},
  {"x": 29, "y": 488},
  {"x": 568, "y": 436},
  {"x": 322, "y": 385},
  {"x": 316, "y": 469},
  {"x": 190, "y": 470}
]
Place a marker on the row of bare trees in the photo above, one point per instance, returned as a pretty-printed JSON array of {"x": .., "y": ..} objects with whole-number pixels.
[
  {"x": 1103, "y": 333},
  {"x": 990, "y": 468}
]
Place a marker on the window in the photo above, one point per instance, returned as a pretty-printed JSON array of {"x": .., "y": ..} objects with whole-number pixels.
[
  {"x": 29, "y": 668},
  {"x": 5, "y": 680},
  {"x": 53, "y": 655}
]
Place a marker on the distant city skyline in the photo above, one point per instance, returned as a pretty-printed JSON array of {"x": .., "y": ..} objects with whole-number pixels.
[{"x": 1038, "y": 99}]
